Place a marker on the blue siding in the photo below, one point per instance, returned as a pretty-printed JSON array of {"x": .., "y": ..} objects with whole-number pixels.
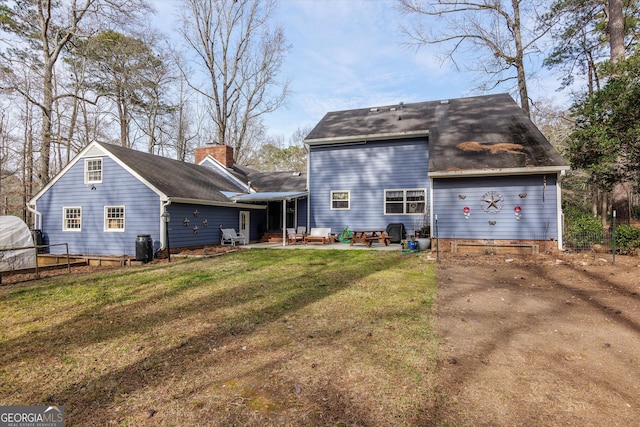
[
  {"x": 118, "y": 188},
  {"x": 181, "y": 235},
  {"x": 366, "y": 170},
  {"x": 538, "y": 216},
  {"x": 301, "y": 213}
]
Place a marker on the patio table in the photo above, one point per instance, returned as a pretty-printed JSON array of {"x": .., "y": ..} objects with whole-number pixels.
[{"x": 369, "y": 236}]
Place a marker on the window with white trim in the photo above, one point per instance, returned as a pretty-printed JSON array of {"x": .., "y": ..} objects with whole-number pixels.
[
  {"x": 72, "y": 219},
  {"x": 114, "y": 218},
  {"x": 340, "y": 200},
  {"x": 405, "y": 201},
  {"x": 92, "y": 171}
]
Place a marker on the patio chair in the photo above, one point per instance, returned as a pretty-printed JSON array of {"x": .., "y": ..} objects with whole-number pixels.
[
  {"x": 229, "y": 236},
  {"x": 318, "y": 235},
  {"x": 292, "y": 237}
]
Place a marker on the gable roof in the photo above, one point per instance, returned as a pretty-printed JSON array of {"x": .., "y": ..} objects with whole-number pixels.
[
  {"x": 279, "y": 181},
  {"x": 479, "y": 135},
  {"x": 174, "y": 178}
]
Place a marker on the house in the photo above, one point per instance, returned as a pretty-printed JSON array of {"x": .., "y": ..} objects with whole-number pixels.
[
  {"x": 474, "y": 169},
  {"x": 108, "y": 195}
]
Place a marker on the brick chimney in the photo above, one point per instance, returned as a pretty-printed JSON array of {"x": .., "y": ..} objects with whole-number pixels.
[{"x": 222, "y": 153}]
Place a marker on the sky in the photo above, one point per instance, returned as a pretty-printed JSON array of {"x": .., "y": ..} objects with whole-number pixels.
[{"x": 349, "y": 54}]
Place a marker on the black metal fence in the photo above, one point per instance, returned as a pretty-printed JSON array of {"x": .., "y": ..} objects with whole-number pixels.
[
  {"x": 581, "y": 241},
  {"x": 617, "y": 240}
]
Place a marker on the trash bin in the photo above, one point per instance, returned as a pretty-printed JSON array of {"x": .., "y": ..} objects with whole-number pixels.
[
  {"x": 144, "y": 248},
  {"x": 39, "y": 240},
  {"x": 396, "y": 231}
]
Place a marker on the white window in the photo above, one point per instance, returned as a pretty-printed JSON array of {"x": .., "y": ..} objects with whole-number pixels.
[
  {"x": 405, "y": 201},
  {"x": 72, "y": 219},
  {"x": 92, "y": 171},
  {"x": 340, "y": 200},
  {"x": 114, "y": 218}
]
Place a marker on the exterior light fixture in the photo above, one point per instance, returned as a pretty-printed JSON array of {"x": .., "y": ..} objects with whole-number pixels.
[{"x": 467, "y": 212}]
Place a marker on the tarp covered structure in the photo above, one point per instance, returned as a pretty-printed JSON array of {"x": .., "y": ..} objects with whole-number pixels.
[{"x": 14, "y": 234}]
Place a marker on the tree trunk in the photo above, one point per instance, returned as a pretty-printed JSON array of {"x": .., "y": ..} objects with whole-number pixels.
[
  {"x": 519, "y": 59},
  {"x": 47, "y": 108},
  {"x": 621, "y": 190},
  {"x": 595, "y": 199},
  {"x": 123, "y": 117},
  {"x": 72, "y": 126},
  {"x": 621, "y": 202},
  {"x": 616, "y": 30}
]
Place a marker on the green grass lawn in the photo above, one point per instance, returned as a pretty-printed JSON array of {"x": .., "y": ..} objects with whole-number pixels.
[{"x": 259, "y": 337}]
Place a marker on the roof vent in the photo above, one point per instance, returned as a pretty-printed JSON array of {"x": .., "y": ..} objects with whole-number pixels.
[
  {"x": 444, "y": 101},
  {"x": 374, "y": 110},
  {"x": 392, "y": 109}
]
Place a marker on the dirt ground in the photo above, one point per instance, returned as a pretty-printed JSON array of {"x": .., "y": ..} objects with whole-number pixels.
[{"x": 551, "y": 340}]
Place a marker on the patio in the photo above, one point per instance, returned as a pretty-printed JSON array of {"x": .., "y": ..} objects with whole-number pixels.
[{"x": 340, "y": 246}]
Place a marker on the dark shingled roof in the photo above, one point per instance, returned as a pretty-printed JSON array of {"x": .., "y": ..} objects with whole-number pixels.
[
  {"x": 278, "y": 181},
  {"x": 271, "y": 181},
  {"x": 465, "y": 135},
  {"x": 175, "y": 178}
]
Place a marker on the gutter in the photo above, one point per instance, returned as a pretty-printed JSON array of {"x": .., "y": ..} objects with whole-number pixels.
[
  {"x": 364, "y": 138},
  {"x": 494, "y": 172},
  {"x": 212, "y": 203}
]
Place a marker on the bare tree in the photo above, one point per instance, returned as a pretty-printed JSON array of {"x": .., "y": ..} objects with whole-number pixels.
[
  {"x": 182, "y": 124},
  {"x": 241, "y": 56},
  {"x": 494, "y": 30},
  {"x": 43, "y": 29}
]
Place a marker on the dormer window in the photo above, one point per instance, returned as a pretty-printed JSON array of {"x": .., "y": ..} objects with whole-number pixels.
[{"x": 92, "y": 171}]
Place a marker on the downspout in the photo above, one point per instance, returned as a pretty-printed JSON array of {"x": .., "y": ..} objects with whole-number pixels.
[
  {"x": 560, "y": 215},
  {"x": 431, "y": 206},
  {"x": 308, "y": 186},
  {"x": 164, "y": 226},
  {"x": 37, "y": 217},
  {"x": 284, "y": 222}
]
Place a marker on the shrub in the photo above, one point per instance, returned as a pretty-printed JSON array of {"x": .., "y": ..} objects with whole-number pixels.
[
  {"x": 627, "y": 239},
  {"x": 583, "y": 229}
]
